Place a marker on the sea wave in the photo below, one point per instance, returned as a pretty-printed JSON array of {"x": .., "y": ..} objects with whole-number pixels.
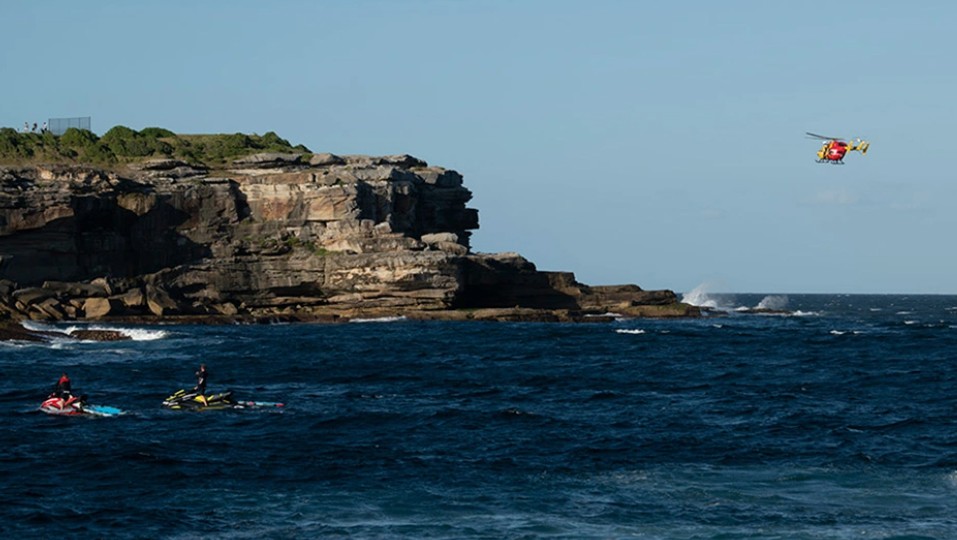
[
  {"x": 567, "y": 417},
  {"x": 606, "y": 314},
  {"x": 699, "y": 297},
  {"x": 377, "y": 320},
  {"x": 951, "y": 478},
  {"x": 775, "y": 302},
  {"x": 770, "y": 304},
  {"x": 135, "y": 334}
]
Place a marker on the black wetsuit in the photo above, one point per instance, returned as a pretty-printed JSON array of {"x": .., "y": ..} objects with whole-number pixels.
[
  {"x": 201, "y": 382},
  {"x": 63, "y": 389}
]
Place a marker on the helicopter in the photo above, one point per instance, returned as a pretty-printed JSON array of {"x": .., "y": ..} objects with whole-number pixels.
[{"x": 835, "y": 148}]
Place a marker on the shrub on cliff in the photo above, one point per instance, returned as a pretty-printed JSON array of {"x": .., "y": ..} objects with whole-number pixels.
[
  {"x": 78, "y": 138},
  {"x": 126, "y": 142},
  {"x": 186, "y": 152},
  {"x": 156, "y": 132},
  {"x": 215, "y": 149},
  {"x": 86, "y": 147},
  {"x": 47, "y": 147},
  {"x": 122, "y": 144},
  {"x": 13, "y": 146},
  {"x": 221, "y": 149},
  {"x": 270, "y": 142}
]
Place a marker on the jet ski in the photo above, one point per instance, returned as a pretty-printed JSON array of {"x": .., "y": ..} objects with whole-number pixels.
[
  {"x": 192, "y": 401},
  {"x": 75, "y": 406}
]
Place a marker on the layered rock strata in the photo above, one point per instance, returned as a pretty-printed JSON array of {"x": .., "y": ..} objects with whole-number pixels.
[{"x": 275, "y": 236}]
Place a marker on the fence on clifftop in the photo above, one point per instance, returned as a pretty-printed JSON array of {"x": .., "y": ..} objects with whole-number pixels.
[{"x": 58, "y": 126}]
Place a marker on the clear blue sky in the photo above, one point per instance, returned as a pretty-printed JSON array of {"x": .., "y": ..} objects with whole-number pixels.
[{"x": 657, "y": 143}]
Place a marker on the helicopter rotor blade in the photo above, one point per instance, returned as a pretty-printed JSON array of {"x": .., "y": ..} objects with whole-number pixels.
[{"x": 822, "y": 137}]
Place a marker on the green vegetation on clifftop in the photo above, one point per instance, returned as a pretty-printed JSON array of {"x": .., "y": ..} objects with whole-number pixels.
[{"x": 121, "y": 145}]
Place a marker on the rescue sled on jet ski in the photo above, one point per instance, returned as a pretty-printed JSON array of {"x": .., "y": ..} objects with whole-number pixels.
[
  {"x": 75, "y": 406},
  {"x": 192, "y": 401}
]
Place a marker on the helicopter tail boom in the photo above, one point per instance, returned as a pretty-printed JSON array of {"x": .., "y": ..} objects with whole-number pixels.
[{"x": 860, "y": 146}]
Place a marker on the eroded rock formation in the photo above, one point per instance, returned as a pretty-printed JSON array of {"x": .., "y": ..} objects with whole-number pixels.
[{"x": 274, "y": 236}]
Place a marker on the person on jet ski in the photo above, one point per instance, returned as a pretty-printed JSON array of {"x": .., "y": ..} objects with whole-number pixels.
[
  {"x": 200, "y": 387},
  {"x": 63, "y": 389}
]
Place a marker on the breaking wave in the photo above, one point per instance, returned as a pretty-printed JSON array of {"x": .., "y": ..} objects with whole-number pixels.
[
  {"x": 699, "y": 297},
  {"x": 135, "y": 334},
  {"x": 378, "y": 320},
  {"x": 775, "y": 302}
]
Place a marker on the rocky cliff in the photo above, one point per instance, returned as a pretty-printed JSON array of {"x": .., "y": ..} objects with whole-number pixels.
[{"x": 271, "y": 236}]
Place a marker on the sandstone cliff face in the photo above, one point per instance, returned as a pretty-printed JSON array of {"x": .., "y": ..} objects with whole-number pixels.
[{"x": 274, "y": 235}]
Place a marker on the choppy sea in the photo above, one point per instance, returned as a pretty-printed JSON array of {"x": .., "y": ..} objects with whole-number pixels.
[{"x": 833, "y": 417}]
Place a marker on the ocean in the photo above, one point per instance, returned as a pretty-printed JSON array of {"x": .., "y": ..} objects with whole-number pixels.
[{"x": 831, "y": 417}]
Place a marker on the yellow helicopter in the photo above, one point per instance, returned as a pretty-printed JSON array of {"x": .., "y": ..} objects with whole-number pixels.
[{"x": 835, "y": 148}]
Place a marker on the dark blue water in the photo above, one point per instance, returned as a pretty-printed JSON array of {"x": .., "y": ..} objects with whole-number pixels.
[{"x": 836, "y": 421}]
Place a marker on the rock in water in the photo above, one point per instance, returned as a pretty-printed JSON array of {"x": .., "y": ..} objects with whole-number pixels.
[{"x": 99, "y": 335}]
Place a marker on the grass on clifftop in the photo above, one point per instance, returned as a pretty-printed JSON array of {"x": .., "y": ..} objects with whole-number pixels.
[{"x": 121, "y": 145}]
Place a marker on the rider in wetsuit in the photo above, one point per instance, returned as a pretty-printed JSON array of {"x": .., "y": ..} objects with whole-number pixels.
[
  {"x": 63, "y": 389},
  {"x": 200, "y": 387}
]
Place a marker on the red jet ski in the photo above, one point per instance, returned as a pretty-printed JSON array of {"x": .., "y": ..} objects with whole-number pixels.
[{"x": 75, "y": 406}]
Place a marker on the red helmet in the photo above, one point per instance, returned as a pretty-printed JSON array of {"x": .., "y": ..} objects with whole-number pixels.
[{"x": 64, "y": 378}]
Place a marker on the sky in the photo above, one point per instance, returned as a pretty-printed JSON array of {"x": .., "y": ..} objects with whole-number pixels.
[{"x": 654, "y": 143}]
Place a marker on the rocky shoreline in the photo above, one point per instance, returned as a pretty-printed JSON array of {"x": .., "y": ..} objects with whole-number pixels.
[{"x": 273, "y": 237}]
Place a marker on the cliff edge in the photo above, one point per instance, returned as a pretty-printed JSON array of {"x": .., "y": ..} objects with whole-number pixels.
[{"x": 271, "y": 236}]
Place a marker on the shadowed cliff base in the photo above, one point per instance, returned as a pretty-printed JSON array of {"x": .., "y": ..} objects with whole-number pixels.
[{"x": 264, "y": 236}]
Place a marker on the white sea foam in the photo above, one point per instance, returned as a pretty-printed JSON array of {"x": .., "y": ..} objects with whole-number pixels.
[
  {"x": 607, "y": 314},
  {"x": 699, "y": 297},
  {"x": 378, "y": 320},
  {"x": 775, "y": 302},
  {"x": 40, "y": 327},
  {"x": 14, "y": 344},
  {"x": 800, "y": 313},
  {"x": 837, "y": 332},
  {"x": 135, "y": 334},
  {"x": 910, "y": 322},
  {"x": 952, "y": 479},
  {"x": 142, "y": 334},
  {"x": 630, "y": 331}
]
